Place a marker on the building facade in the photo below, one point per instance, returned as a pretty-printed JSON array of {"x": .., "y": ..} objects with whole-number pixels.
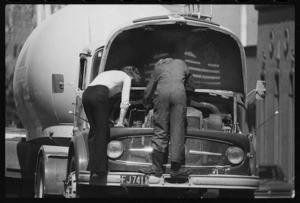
[{"x": 276, "y": 66}]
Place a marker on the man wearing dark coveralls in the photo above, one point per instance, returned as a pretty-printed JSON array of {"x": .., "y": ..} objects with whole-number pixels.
[{"x": 167, "y": 91}]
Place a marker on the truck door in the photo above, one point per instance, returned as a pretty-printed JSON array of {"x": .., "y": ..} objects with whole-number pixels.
[
  {"x": 96, "y": 63},
  {"x": 85, "y": 62}
]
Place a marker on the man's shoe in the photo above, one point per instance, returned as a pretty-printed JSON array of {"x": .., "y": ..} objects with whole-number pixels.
[
  {"x": 149, "y": 170},
  {"x": 95, "y": 174},
  {"x": 180, "y": 173},
  {"x": 157, "y": 164}
]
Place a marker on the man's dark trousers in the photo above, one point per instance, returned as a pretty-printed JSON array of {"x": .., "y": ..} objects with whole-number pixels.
[
  {"x": 97, "y": 108},
  {"x": 169, "y": 119}
]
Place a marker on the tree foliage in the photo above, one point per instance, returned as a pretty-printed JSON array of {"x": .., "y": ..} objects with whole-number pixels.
[
  {"x": 20, "y": 20},
  {"x": 19, "y": 23}
]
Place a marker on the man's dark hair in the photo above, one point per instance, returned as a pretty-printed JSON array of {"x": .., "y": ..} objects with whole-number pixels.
[{"x": 134, "y": 73}]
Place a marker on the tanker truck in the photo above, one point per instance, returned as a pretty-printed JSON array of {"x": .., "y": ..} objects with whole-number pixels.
[
  {"x": 53, "y": 48},
  {"x": 219, "y": 148},
  {"x": 218, "y": 145}
]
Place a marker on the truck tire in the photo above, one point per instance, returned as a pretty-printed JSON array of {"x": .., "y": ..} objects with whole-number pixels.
[
  {"x": 70, "y": 184},
  {"x": 72, "y": 165},
  {"x": 39, "y": 179}
]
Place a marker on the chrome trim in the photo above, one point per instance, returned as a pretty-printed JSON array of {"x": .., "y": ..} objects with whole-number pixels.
[
  {"x": 193, "y": 181},
  {"x": 167, "y": 165},
  {"x": 131, "y": 162},
  {"x": 137, "y": 88},
  {"x": 204, "y": 153},
  {"x": 211, "y": 166},
  {"x": 147, "y": 149}
]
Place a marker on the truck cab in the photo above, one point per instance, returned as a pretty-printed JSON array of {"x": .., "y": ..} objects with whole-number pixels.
[{"x": 218, "y": 147}]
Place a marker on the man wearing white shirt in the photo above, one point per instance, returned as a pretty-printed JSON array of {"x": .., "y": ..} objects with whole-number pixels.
[{"x": 96, "y": 105}]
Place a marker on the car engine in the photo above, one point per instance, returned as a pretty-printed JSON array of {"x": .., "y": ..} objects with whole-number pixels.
[{"x": 200, "y": 115}]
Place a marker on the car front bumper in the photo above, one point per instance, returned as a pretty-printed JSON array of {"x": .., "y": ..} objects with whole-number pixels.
[{"x": 193, "y": 181}]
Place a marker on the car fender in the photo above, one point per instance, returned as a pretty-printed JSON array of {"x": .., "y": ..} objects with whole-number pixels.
[
  {"x": 252, "y": 155},
  {"x": 79, "y": 147}
]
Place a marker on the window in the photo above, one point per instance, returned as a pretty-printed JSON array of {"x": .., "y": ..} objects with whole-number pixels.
[
  {"x": 96, "y": 63},
  {"x": 82, "y": 73}
]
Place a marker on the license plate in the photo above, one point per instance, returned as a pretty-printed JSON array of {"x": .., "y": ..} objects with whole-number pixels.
[{"x": 137, "y": 180}]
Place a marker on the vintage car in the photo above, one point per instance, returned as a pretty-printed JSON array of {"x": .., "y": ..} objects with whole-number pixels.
[
  {"x": 218, "y": 147},
  {"x": 273, "y": 183}
]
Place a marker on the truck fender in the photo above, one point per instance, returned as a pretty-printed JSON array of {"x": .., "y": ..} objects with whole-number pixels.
[
  {"x": 79, "y": 148},
  {"x": 54, "y": 160},
  {"x": 20, "y": 158},
  {"x": 252, "y": 154}
]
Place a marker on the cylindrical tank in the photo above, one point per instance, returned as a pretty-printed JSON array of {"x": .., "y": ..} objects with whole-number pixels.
[{"x": 53, "y": 48}]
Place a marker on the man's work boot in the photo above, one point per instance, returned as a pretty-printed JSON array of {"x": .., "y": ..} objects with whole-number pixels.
[
  {"x": 98, "y": 176},
  {"x": 157, "y": 164},
  {"x": 177, "y": 171}
]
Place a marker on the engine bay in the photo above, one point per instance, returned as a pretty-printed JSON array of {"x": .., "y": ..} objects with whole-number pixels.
[{"x": 204, "y": 112}]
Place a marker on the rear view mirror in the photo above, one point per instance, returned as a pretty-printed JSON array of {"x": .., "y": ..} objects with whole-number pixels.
[
  {"x": 260, "y": 90},
  {"x": 57, "y": 83}
]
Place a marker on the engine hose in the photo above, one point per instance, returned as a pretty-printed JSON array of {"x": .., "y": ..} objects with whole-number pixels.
[{"x": 210, "y": 107}]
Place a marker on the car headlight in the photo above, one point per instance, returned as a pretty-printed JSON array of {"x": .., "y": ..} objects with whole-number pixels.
[
  {"x": 115, "y": 149},
  {"x": 235, "y": 155}
]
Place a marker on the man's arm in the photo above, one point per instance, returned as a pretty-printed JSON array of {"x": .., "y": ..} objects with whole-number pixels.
[
  {"x": 189, "y": 82},
  {"x": 124, "y": 101}
]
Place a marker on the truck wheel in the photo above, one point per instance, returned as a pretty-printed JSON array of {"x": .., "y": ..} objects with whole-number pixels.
[
  {"x": 70, "y": 184},
  {"x": 40, "y": 179}
]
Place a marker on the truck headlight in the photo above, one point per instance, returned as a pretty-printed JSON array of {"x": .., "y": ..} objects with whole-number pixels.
[
  {"x": 235, "y": 155},
  {"x": 115, "y": 149}
]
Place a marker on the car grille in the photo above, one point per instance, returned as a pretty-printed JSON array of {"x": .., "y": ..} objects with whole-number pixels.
[{"x": 198, "y": 152}]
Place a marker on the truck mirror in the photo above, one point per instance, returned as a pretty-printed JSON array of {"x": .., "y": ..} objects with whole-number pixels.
[
  {"x": 260, "y": 90},
  {"x": 57, "y": 83}
]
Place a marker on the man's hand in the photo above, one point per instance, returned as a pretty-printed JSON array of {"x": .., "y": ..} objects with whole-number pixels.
[
  {"x": 119, "y": 125},
  {"x": 79, "y": 92}
]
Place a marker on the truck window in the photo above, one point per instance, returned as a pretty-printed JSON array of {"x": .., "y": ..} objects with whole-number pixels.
[
  {"x": 82, "y": 73},
  {"x": 96, "y": 63}
]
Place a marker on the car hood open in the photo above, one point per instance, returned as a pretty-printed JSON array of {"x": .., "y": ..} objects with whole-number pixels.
[{"x": 214, "y": 55}]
